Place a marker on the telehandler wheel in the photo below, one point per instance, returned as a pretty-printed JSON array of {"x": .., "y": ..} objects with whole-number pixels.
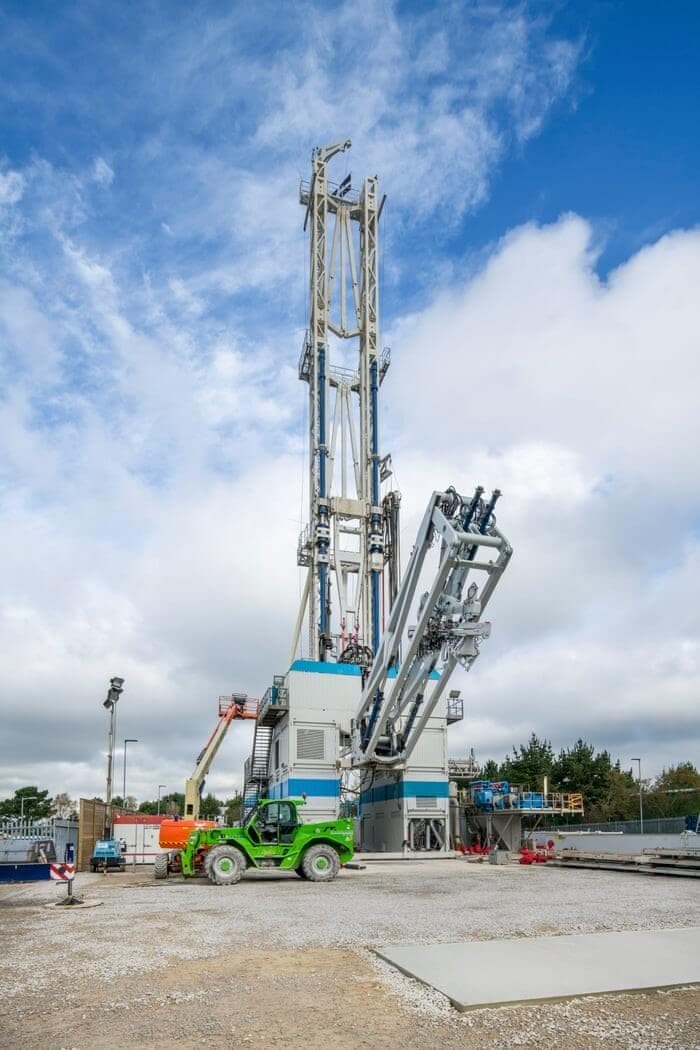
[
  {"x": 160, "y": 867},
  {"x": 321, "y": 863},
  {"x": 225, "y": 865}
]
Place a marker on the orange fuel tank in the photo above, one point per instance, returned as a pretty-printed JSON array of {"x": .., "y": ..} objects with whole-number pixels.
[{"x": 174, "y": 833}]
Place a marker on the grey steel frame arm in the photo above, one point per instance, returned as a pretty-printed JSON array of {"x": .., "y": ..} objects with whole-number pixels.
[{"x": 390, "y": 720}]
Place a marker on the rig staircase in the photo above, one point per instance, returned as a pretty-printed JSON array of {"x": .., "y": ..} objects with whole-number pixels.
[{"x": 256, "y": 768}]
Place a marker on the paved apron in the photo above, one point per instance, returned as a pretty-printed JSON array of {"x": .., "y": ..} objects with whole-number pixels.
[{"x": 534, "y": 969}]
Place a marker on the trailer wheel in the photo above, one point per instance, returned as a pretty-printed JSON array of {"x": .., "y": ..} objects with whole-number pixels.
[
  {"x": 321, "y": 863},
  {"x": 160, "y": 867},
  {"x": 225, "y": 865}
]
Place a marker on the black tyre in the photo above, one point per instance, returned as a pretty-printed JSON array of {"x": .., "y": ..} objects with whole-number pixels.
[
  {"x": 160, "y": 868},
  {"x": 300, "y": 872},
  {"x": 224, "y": 865},
  {"x": 321, "y": 863}
]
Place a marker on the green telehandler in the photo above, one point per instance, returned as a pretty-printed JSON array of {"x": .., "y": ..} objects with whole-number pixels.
[{"x": 273, "y": 836}]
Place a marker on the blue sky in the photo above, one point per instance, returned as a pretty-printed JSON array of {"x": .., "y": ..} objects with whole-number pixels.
[
  {"x": 540, "y": 267},
  {"x": 618, "y": 142},
  {"x": 623, "y": 148}
]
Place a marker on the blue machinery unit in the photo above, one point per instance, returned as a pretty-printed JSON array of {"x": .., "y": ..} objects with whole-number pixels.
[
  {"x": 491, "y": 812},
  {"x": 363, "y": 710}
]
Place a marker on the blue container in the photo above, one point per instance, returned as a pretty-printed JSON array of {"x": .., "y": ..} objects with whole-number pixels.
[
  {"x": 483, "y": 798},
  {"x": 24, "y": 872}
]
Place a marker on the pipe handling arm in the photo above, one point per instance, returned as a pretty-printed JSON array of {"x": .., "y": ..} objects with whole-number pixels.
[{"x": 390, "y": 719}]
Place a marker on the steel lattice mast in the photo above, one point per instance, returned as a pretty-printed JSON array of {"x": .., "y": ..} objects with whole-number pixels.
[{"x": 344, "y": 547}]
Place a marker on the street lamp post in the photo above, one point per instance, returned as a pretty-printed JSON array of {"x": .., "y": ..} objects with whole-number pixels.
[
  {"x": 116, "y": 687},
  {"x": 159, "y": 787},
  {"x": 127, "y": 740},
  {"x": 23, "y": 799},
  {"x": 641, "y": 804}
]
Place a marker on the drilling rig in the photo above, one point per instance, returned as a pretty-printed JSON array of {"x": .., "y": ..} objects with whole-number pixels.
[{"x": 364, "y": 705}]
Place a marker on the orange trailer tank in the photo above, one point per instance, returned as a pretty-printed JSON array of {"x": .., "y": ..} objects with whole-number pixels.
[{"x": 174, "y": 833}]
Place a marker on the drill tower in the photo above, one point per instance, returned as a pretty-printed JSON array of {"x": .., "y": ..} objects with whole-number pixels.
[
  {"x": 351, "y": 535},
  {"x": 360, "y": 717}
]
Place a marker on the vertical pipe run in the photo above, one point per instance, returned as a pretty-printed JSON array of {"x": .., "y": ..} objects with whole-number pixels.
[
  {"x": 322, "y": 542},
  {"x": 322, "y": 422},
  {"x": 376, "y": 523}
]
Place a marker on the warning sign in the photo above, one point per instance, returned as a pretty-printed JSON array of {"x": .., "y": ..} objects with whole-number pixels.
[{"x": 62, "y": 872}]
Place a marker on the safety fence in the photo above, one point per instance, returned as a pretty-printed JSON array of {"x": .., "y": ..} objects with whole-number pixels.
[
  {"x": 652, "y": 826},
  {"x": 59, "y": 830}
]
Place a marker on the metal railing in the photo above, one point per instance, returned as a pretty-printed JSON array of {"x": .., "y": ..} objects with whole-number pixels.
[
  {"x": 455, "y": 709},
  {"x": 559, "y": 801},
  {"x": 247, "y": 706},
  {"x": 652, "y": 826},
  {"x": 275, "y": 698},
  {"x": 60, "y": 830}
]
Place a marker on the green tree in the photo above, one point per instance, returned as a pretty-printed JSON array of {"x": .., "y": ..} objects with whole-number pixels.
[
  {"x": 234, "y": 810},
  {"x": 128, "y": 803},
  {"x": 209, "y": 807},
  {"x": 37, "y": 804},
  {"x": 490, "y": 770},
  {"x": 675, "y": 792},
  {"x": 579, "y": 768},
  {"x": 64, "y": 807},
  {"x": 621, "y": 798},
  {"x": 529, "y": 764},
  {"x": 173, "y": 804}
]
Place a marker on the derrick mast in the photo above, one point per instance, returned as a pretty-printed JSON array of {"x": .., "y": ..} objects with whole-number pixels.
[
  {"x": 343, "y": 547},
  {"x": 360, "y": 717}
]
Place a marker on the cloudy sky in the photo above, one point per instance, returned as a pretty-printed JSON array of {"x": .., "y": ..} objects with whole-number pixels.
[{"x": 540, "y": 265}]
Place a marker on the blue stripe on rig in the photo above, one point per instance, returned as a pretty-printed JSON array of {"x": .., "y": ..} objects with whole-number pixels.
[
  {"x": 354, "y": 670},
  {"x": 319, "y": 667},
  {"x": 293, "y": 787},
  {"x": 406, "y": 789}
]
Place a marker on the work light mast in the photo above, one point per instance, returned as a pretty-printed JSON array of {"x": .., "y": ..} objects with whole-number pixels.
[{"x": 344, "y": 547}]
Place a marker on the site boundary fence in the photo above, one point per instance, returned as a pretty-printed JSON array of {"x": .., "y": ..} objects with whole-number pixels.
[
  {"x": 652, "y": 826},
  {"x": 60, "y": 830}
]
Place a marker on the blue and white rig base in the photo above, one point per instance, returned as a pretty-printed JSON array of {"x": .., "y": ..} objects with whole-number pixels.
[{"x": 304, "y": 727}]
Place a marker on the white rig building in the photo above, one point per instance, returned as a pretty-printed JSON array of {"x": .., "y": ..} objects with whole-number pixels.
[{"x": 360, "y": 718}]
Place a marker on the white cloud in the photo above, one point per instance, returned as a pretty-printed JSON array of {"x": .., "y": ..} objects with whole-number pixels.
[
  {"x": 154, "y": 534},
  {"x": 102, "y": 173},
  {"x": 11, "y": 187},
  {"x": 579, "y": 399}
]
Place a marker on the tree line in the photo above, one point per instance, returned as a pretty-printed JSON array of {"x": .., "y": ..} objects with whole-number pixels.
[
  {"x": 31, "y": 803},
  {"x": 210, "y": 807},
  {"x": 609, "y": 791}
]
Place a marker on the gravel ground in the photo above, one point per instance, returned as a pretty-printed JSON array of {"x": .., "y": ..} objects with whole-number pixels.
[{"x": 161, "y": 948}]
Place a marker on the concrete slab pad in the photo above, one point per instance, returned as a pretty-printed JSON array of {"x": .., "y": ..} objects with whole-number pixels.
[{"x": 475, "y": 974}]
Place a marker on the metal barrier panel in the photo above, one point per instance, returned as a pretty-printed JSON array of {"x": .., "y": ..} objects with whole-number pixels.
[
  {"x": 59, "y": 830},
  {"x": 652, "y": 826}
]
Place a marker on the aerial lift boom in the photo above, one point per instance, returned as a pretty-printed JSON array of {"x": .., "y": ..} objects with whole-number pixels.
[
  {"x": 236, "y": 706},
  {"x": 390, "y": 721}
]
